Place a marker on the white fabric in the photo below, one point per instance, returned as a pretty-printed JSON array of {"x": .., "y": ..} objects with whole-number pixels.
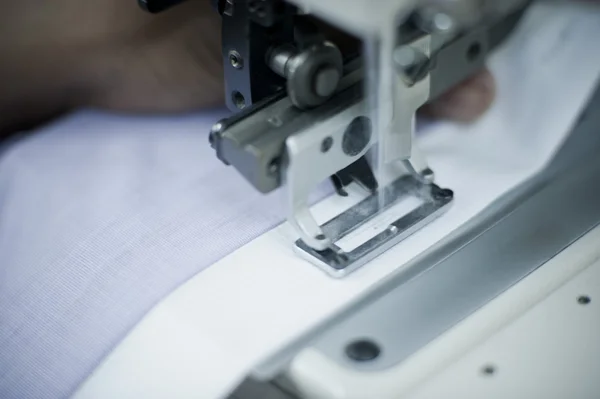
[{"x": 203, "y": 338}]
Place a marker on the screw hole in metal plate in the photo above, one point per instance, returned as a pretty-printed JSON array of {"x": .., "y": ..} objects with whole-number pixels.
[
  {"x": 488, "y": 370},
  {"x": 363, "y": 350},
  {"x": 236, "y": 60},
  {"x": 584, "y": 300}
]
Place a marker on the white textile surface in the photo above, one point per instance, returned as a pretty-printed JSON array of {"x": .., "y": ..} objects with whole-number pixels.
[{"x": 102, "y": 216}]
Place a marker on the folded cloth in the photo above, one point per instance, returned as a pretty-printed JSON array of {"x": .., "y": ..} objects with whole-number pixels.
[{"x": 102, "y": 216}]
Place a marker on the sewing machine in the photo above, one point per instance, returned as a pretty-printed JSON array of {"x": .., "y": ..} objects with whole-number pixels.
[
  {"x": 308, "y": 109},
  {"x": 305, "y": 111}
]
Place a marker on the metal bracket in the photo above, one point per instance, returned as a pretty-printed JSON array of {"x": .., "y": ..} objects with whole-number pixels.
[{"x": 337, "y": 262}]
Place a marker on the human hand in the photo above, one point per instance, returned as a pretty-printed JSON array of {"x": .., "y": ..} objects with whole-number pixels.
[{"x": 108, "y": 54}]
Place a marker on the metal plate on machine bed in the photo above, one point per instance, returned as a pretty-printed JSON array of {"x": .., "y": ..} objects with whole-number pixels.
[{"x": 432, "y": 203}]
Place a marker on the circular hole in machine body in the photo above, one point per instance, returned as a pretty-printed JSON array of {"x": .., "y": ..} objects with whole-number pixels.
[
  {"x": 238, "y": 100},
  {"x": 363, "y": 350},
  {"x": 236, "y": 60},
  {"x": 488, "y": 370},
  {"x": 583, "y": 299},
  {"x": 474, "y": 51}
]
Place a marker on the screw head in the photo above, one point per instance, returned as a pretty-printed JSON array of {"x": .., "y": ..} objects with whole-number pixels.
[
  {"x": 273, "y": 167},
  {"x": 238, "y": 99},
  {"x": 236, "y": 60}
]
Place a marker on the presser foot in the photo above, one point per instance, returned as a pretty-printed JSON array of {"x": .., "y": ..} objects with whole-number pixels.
[{"x": 380, "y": 221}]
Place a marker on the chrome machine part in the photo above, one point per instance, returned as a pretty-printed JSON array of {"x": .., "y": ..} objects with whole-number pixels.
[
  {"x": 411, "y": 89},
  {"x": 359, "y": 17},
  {"x": 317, "y": 152},
  {"x": 250, "y": 28},
  {"x": 253, "y": 139},
  {"x": 338, "y": 261},
  {"x": 515, "y": 236},
  {"x": 286, "y": 139},
  {"x": 323, "y": 126}
]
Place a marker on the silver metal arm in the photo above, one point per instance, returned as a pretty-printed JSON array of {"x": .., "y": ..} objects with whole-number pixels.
[{"x": 351, "y": 119}]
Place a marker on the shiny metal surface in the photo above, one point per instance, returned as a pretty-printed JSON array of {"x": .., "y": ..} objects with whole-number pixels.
[
  {"x": 304, "y": 68},
  {"x": 338, "y": 262},
  {"x": 253, "y": 141},
  {"x": 307, "y": 164}
]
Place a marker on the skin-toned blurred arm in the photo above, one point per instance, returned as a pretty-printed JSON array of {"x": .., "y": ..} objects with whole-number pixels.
[
  {"x": 62, "y": 54},
  {"x": 108, "y": 53}
]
